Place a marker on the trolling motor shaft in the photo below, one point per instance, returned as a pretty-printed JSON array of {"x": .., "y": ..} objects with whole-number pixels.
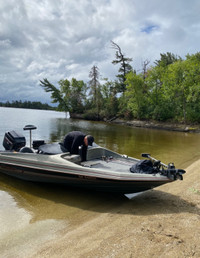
[{"x": 30, "y": 128}]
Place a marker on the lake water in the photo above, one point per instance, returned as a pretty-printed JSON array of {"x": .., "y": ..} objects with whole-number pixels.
[{"x": 31, "y": 214}]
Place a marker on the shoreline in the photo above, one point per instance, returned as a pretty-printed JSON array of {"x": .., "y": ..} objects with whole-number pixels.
[
  {"x": 178, "y": 127},
  {"x": 151, "y": 124}
]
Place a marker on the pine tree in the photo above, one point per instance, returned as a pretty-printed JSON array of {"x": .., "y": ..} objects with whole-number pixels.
[
  {"x": 125, "y": 67},
  {"x": 95, "y": 89},
  {"x": 94, "y": 83}
]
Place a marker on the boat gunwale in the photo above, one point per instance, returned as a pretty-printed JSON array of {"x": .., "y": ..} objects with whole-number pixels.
[{"x": 76, "y": 169}]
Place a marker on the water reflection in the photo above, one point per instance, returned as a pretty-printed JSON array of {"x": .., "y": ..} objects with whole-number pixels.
[
  {"x": 37, "y": 202},
  {"x": 46, "y": 201}
]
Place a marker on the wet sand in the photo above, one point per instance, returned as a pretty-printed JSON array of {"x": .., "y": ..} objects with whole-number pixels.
[{"x": 159, "y": 223}]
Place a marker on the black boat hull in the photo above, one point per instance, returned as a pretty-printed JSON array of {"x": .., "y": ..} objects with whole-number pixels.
[{"x": 80, "y": 181}]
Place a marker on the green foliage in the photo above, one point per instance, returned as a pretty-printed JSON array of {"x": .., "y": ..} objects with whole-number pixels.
[
  {"x": 71, "y": 95},
  {"x": 168, "y": 91},
  {"x": 167, "y": 59},
  {"x": 77, "y": 95},
  {"x": 194, "y": 190},
  {"x": 110, "y": 100},
  {"x": 26, "y": 104},
  {"x": 56, "y": 94},
  {"x": 92, "y": 114},
  {"x": 137, "y": 95}
]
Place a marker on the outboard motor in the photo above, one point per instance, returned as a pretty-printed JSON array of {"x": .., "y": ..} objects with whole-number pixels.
[{"x": 13, "y": 141}]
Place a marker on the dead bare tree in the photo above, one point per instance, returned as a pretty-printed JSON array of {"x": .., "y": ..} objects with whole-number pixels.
[{"x": 125, "y": 67}]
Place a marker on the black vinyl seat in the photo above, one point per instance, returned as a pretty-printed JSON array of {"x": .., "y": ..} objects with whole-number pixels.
[{"x": 26, "y": 150}]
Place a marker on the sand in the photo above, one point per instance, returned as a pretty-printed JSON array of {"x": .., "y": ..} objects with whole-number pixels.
[{"x": 164, "y": 222}]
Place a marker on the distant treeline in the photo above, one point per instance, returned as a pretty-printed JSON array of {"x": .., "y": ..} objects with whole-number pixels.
[{"x": 27, "y": 104}]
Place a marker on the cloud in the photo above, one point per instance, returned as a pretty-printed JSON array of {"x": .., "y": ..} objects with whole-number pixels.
[{"x": 64, "y": 39}]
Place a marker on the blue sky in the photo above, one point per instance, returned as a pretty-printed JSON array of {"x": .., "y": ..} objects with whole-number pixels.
[{"x": 65, "y": 38}]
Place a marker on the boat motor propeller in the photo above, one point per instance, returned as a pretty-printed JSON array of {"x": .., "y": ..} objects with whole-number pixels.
[{"x": 167, "y": 170}]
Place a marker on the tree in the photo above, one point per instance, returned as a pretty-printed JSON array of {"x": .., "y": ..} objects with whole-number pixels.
[
  {"x": 110, "y": 100},
  {"x": 94, "y": 83},
  {"x": 136, "y": 95},
  {"x": 174, "y": 89},
  {"x": 95, "y": 89},
  {"x": 56, "y": 95},
  {"x": 70, "y": 97},
  {"x": 182, "y": 83},
  {"x": 125, "y": 67},
  {"x": 160, "y": 107},
  {"x": 77, "y": 96},
  {"x": 27, "y": 104},
  {"x": 167, "y": 59},
  {"x": 144, "y": 68}
]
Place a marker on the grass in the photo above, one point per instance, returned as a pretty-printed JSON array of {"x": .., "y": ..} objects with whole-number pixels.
[{"x": 194, "y": 190}]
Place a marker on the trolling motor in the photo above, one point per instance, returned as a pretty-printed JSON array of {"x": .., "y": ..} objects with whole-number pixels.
[
  {"x": 30, "y": 128},
  {"x": 167, "y": 170},
  {"x": 37, "y": 143}
]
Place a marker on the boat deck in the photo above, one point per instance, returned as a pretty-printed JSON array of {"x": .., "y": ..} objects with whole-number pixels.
[{"x": 114, "y": 164}]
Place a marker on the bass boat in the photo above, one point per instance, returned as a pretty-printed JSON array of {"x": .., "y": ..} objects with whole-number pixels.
[{"x": 103, "y": 170}]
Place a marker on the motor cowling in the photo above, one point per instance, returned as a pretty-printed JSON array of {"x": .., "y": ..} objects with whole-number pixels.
[{"x": 13, "y": 141}]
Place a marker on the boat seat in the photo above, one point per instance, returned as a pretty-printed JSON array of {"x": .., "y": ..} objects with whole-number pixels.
[
  {"x": 26, "y": 150},
  {"x": 52, "y": 149}
]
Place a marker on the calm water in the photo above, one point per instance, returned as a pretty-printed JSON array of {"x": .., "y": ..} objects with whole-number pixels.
[{"x": 39, "y": 211}]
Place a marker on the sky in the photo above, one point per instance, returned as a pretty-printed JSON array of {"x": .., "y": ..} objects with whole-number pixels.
[{"x": 63, "y": 39}]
